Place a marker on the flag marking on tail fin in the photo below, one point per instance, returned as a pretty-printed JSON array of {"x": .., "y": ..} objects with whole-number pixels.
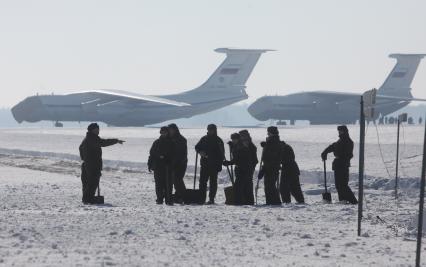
[
  {"x": 399, "y": 74},
  {"x": 229, "y": 71}
]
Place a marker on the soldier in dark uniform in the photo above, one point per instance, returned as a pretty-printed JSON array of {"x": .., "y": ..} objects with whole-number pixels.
[
  {"x": 180, "y": 161},
  {"x": 290, "y": 184},
  {"x": 271, "y": 165},
  {"x": 240, "y": 158},
  {"x": 160, "y": 161},
  {"x": 91, "y": 154},
  {"x": 246, "y": 140},
  {"x": 212, "y": 152},
  {"x": 342, "y": 150}
]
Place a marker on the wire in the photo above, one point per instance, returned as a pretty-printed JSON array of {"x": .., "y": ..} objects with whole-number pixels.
[
  {"x": 404, "y": 146},
  {"x": 381, "y": 152},
  {"x": 396, "y": 218},
  {"x": 393, "y": 222}
]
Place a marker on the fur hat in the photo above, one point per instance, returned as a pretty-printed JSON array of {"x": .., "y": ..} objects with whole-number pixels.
[
  {"x": 235, "y": 136},
  {"x": 273, "y": 130},
  {"x": 173, "y": 126},
  {"x": 211, "y": 127},
  {"x": 92, "y": 126},
  {"x": 244, "y": 132},
  {"x": 342, "y": 128}
]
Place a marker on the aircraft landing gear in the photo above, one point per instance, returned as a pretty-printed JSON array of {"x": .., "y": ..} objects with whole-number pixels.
[{"x": 59, "y": 124}]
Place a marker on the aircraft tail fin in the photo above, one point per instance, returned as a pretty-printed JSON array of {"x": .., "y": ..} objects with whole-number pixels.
[
  {"x": 399, "y": 80},
  {"x": 235, "y": 69},
  {"x": 228, "y": 81}
]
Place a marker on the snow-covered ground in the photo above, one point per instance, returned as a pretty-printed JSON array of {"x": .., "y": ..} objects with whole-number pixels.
[{"x": 42, "y": 221}]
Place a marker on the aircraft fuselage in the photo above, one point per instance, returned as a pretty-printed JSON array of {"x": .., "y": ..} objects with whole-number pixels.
[{"x": 303, "y": 106}]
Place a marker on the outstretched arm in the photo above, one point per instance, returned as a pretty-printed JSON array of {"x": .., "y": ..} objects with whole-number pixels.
[{"x": 110, "y": 142}]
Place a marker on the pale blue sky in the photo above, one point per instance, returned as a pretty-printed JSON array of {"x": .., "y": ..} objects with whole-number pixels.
[{"x": 160, "y": 47}]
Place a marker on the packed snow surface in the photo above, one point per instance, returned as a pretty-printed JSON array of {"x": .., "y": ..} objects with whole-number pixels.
[{"x": 43, "y": 223}]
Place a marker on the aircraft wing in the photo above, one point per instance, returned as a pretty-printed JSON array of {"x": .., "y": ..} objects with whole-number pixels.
[{"x": 109, "y": 96}]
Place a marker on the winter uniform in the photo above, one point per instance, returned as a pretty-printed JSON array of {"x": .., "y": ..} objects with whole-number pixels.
[
  {"x": 211, "y": 165},
  {"x": 272, "y": 166},
  {"x": 180, "y": 161},
  {"x": 252, "y": 150},
  {"x": 160, "y": 161},
  {"x": 91, "y": 154},
  {"x": 253, "y": 160},
  {"x": 290, "y": 184},
  {"x": 342, "y": 150},
  {"x": 241, "y": 160}
]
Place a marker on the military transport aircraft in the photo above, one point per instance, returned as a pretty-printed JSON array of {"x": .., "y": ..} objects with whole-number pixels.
[
  {"x": 325, "y": 107},
  {"x": 120, "y": 108}
]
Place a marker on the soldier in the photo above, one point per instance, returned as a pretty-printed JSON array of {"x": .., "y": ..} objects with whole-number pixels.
[
  {"x": 342, "y": 150},
  {"x": 212, "y": 152},
  {"x": 240, "y": 158},
  {"x": 271, "y": 165},
  {"x": 91, "y": 154},
  {"x": 246, "y": 139},
  {"x": 290, "y": 184},
  {"x": 180, "y": 161},
  {"x": 160, "y": 161}
]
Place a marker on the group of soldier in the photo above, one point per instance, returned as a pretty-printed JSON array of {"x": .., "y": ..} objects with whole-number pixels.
[{"x": 168, "y": 160}]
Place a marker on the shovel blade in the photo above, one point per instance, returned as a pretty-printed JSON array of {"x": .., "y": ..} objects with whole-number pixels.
[
  {"x": 98, "y": 199},
  {"x": 193, "y": 196},
  {"x": 326, "y": 197},
  {"x": 229, "y": 195}
]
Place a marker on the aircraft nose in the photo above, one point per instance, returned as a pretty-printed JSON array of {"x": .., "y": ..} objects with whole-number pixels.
[
  {"x": 27, "y": 110},
  {"x": 18, "y": 112},
  {"x": 259, "y": 109}
]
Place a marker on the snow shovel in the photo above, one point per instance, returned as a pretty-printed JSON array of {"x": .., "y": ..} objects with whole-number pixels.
[
  {"x": 98, "y": 199},
  {"x": 326, "y": 196},
  {"x": 229, "y": 190},
  {"x": 194, "y": 196}
]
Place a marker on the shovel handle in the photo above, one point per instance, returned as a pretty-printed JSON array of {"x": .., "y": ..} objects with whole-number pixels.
[
  {"x": 325, "y": 176},
  {"x": 230, "y": 158},
  {"x": 230, "y": 175}
]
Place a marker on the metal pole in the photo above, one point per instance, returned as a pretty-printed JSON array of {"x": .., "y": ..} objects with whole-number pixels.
[
  {"x": 397, "y": 159},
  {"x": 361, "y": 163},
  {"x": 421, "y": 205}
]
